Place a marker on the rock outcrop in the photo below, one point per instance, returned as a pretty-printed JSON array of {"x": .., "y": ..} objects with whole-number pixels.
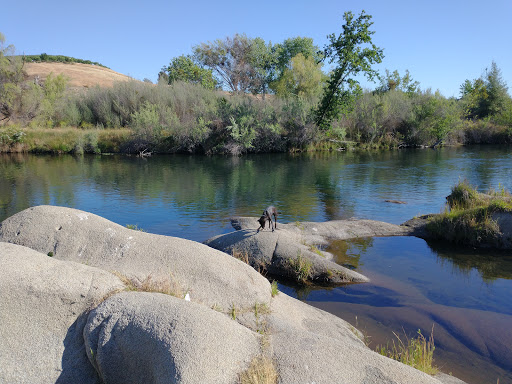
[
  {"x": 293, "y": 249},
  {"x": 211, "y": 277},
  {"x": 134, "y": 336},
  {"x": 66, "y": 322},
  {"x": 42, "y": 307}
]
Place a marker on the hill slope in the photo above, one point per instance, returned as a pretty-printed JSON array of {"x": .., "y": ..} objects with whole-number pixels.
[{"x": 79, "y": 75}]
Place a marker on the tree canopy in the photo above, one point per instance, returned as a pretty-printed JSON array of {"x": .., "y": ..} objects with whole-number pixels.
[
  {"x": 183, "y": 68},
  {"x": 485, "y": 96},
  {"x": 232, "y": 59}
]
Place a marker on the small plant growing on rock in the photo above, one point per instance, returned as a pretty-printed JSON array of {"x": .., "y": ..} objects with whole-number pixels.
[
  {"x": 274, "y": 290},
  {"x": 135, "y": 227},
  {"x": 302, "y": 268},
  {"x": 233, "y": 311},
  {"x": 417, "y": 352},
  {"x": 50, "y": 254}
]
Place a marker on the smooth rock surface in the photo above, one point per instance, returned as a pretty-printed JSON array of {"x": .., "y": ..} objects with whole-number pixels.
[
  {"x": 210, "y": 276},
  {"x": 311, "y": 346},
  {"x": 152, "y": 338},
  {"x": 41, "y": 305}
]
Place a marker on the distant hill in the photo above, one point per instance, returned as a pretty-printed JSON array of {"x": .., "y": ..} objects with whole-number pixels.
[{"x": 79, "y": 75}]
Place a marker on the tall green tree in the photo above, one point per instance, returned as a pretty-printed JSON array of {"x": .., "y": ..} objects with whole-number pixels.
[
  {"x": 353, "y": 54},
  {"x": 485, "y": 96},
  {"x": 497, "y": 91},
  {"x": 183, "y": 68}
]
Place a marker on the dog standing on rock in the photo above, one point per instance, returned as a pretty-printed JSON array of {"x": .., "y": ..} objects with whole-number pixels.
[{"x": 267, "y": 216}]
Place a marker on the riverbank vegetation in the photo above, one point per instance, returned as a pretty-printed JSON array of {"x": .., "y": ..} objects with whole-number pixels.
[
  {"x": 471, "y": 218},
  {"x": 239, "y": 94}
]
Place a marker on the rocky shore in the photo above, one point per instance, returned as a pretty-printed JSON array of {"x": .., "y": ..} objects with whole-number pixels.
[{"x": 81, "y": 302}]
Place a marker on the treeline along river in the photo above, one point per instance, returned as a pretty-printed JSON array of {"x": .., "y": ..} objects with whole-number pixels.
[{"x": 465, "y": 293}]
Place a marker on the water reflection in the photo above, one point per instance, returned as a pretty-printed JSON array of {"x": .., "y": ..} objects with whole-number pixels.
[{"x": 490, "y": 264}]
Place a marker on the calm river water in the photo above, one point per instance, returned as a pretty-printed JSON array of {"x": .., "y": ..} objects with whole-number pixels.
[{"x": 466, "y": 294}]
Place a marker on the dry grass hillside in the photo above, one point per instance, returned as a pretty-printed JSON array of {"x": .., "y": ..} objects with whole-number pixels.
[{"x": 79, "y": 75}]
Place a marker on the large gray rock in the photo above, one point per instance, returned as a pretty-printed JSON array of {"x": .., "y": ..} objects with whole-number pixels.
[
  {"x": 312, "y": 346},
  {"x": 137, "y": 337},
  {"x": 41, "y": 302},
  {"x": 210, "y": 276},
  {"x": 279, "y": 252}
]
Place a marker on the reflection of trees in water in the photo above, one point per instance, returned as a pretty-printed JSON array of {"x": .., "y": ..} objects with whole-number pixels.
[
  {"x": 490, "y": 264},
  {"x": 29, "y": 180},
  {"x": 348, "y": 252}
]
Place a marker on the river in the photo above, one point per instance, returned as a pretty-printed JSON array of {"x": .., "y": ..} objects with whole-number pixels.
[{"x": 466, "y": 294}]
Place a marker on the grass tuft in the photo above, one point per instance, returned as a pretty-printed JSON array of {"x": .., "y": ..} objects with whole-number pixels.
[
  {"x": 166, "y": 285},
  {"x": 135, "y": 227},
  {"x": 274, "y": 290},
  {"x": 262, "y": 370},
  {"x": 417, "y": 352},
  {"x": 302, "y": 268}
]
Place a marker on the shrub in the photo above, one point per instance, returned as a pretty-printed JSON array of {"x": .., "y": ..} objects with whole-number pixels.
[{"x": 463, "y": 195}]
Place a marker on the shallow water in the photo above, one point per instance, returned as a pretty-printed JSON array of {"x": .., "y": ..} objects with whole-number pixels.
[{"x": 414, "y": 284}]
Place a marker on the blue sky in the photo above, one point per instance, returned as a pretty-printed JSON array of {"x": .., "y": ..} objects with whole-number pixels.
[{"x": 441, "y": 43}]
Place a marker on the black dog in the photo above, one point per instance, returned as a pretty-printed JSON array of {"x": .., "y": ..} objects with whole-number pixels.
[{"x": 267, "y": 215}]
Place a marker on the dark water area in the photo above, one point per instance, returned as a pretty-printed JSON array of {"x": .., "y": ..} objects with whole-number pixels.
[{"x": 465, "y": 293}]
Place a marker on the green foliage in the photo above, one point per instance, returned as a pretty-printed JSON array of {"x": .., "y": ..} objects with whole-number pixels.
[
  {"x": 354, "y": 53},
  {"x": 242, "y": 132},
  {"x": 183, "y": 68},
  {"x": 302, "y": 268},
  {"x": 52, "y": 93},
  {"x": 283, "y": 53},
  {"x": 43, "y": 57},
  {"x": 274, "y": 290},
  {"x": 469, "y": 219},
  {"x": 486, "y": 96},
  {"x": 462, "y": 196},
  {"x": 135, "y": 227},
  {"x": 394, "y": 82},
  {"x": 11, "y": 78},
  {"x": 11, "y": 136},
  {"x": 304, "y": 78}
]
